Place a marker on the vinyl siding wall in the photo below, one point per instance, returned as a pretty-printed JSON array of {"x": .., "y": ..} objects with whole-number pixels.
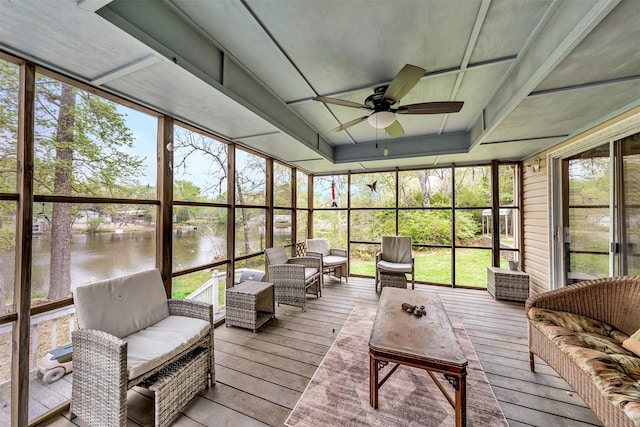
[{"x": 536, "y": 209}]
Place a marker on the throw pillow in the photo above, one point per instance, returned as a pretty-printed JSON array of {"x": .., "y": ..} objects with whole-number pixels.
[{"x": 633, "y": 343}]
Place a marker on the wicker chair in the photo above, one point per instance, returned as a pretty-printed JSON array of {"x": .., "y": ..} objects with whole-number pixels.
[
  {"x": 614, "y": 301},
  {"x": 131, "y": 334},
  {"x": 293, "y": 278},
  {"x": 334, "y": 261},
  {"x": 395, "y": 256}
]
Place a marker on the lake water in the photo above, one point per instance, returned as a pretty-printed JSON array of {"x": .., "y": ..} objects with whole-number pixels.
[{"x": 103, "y": 255}]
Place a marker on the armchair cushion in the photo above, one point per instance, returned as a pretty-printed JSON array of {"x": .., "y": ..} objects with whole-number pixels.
[
  {"x": 309, "y": 273},
  {"x": 396, "y": 249},
  {"x": 333, "y": 260},
  {"x": 113, "y": 305},
  {"x": 156, "y": 344},
  {"x": 320, "y": 246},
  {"x": 276, "y": 255},
  {"x": 395, "y": 267}
]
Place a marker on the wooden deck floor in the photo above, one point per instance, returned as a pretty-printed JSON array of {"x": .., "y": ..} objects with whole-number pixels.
[{"x": 261, "y": 376}]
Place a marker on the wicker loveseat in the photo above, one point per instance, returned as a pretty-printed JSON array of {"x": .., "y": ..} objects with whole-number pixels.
[
  {"x": 578, "y": 330},
  {"x": 131, "y": 334}
]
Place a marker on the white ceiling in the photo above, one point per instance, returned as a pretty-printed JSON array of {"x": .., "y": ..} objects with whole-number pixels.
[{"x": 530, "y": 72}]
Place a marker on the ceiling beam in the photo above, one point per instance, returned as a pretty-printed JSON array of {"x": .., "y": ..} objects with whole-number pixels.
[
  {"x": 92, "y": 5},
  {"x": 165, "y": 30},
  {"x": 473, "y": 39},
  {"x": 435, "y": 145},
  {"x": 129, "y": 68},
  {"x": 544, "y": 54}
]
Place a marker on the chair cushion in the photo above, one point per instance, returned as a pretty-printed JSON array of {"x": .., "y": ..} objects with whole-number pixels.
[
  {"x": 122, "y": 305},
  {"x": 276, "y": 255},
  {"x": 331, "y": 260},
  {"x": 152, "y": 346},
  {"x": 309, "y": 273},
  {"x": 396, "y": 249},
  {"x": 318, "y": 245},
  {"x": 395, "y": 267}
]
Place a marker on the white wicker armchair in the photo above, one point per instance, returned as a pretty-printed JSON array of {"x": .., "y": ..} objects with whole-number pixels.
[
  {"x": 293, "y": 278},
  {"x": 130, "y": 332},
  {"x": 334, "y": 260}
]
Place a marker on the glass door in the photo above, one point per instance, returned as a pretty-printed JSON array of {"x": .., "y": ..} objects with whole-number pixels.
[
  {"x": 629, "y": 208},
  {"x": 600, "y": 213},
  {"x": 586, "y": 215}
]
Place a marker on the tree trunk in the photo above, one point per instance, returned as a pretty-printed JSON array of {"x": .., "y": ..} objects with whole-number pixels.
[
  {"x": 245, "y": 220},
  {"x": 60, "y": 268},
  {"x": 425, "y": 187}
]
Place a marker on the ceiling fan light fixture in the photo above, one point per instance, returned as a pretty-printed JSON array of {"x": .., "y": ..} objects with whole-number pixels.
[{"x": 381, "y": 119}]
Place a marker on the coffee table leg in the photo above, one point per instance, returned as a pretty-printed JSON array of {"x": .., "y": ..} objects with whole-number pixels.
[
  {"x": 461, "y": 401},
  {"x": 373, "y": 381}
]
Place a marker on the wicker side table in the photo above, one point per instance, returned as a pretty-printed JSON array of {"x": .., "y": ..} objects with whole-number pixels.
[
  {"x": 250, "y": 304},
  {"x": 394, "y": 280},
  {"x": 503, "y": 283},
  {"x": 176, "y": 384}
]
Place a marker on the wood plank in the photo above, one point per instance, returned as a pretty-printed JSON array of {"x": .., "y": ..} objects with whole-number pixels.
[
  {"x": 279, "y": 339},
  {"x": 272, "y": 349},
  {"x": 284, "y": 363},
  {"x": 550, "y": 406},
  {"x": 278, "y": 394},
  {"x": 535, "y": 390},
  {"x": 244, "y": 404},
  {"x": 268, "y": 373}
]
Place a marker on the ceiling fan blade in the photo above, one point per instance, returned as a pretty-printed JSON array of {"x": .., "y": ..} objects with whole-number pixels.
[
  {"x": 403, "y": 82},
  {"x": 394, "y": 130},
  {"x": 441, "y": 107},
  {"x": 349, "y": 124},
  {"x": 342, "y": 102}
]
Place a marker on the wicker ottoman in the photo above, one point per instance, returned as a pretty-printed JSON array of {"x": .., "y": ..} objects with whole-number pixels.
[
  {"x": 250, "y": 304},
  {"x": 176, "y": 384},
  {"x": 395, "y": 280},
  {"x": 503, "y": 283}
]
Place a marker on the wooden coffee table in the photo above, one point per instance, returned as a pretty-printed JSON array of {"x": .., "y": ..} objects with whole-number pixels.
[{"x": 426, "y": 342}]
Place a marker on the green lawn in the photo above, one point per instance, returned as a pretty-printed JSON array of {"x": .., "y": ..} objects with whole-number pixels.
[
  {"x": 184, "y": 285},
  {"x": 432, "y": 265},
  {"x": 435, "y": 266}
]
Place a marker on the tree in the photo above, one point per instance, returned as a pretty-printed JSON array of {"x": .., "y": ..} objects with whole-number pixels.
[
  {"x": 80, "y": 150},
  {"x": 193, "y": 148},
  {"x": 250, "y": 181},
  {"x": 9, "y": 83}
]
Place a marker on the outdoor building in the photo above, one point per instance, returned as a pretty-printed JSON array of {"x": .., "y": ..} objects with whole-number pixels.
[{"x": 185, "y": 136}]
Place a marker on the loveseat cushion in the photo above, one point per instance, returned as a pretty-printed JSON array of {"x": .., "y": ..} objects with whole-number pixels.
[
  {"x": 596, "y": 348},
  {"x": 122, "y": 305},
  {"x": 617, "y": 376},
  {"x": 150, "y": 347}
]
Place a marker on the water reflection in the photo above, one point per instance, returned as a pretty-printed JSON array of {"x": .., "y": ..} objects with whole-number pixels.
[{"x": 103, "y": 255}]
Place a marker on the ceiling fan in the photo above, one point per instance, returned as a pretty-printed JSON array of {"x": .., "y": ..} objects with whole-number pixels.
[{"x": 381, "y": 103}]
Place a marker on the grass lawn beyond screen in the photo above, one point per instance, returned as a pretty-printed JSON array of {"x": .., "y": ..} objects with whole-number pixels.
[{"x": 434, "y": 265}]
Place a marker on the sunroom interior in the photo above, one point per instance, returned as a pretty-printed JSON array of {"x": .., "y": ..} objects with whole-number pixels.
[{"x": 185, "y": 136}]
